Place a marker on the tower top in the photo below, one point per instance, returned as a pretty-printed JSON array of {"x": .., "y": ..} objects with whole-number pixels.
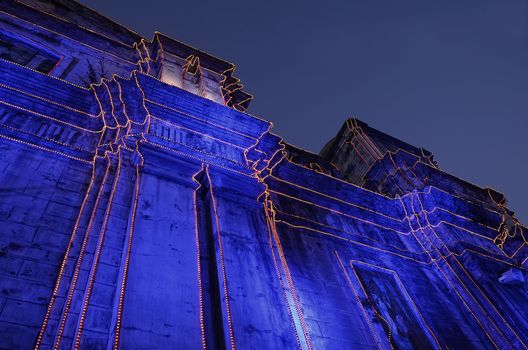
[{"x": 88, "y": 47}]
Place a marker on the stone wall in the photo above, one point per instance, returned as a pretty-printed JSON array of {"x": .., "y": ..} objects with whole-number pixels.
[{"x": 138, "y": 212}]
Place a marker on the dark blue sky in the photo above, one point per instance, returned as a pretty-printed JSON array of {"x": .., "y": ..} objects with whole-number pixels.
[{"x": 450, "y": 76}]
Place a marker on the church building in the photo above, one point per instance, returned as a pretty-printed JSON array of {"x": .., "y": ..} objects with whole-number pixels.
[{"x": 143, "y": 207}]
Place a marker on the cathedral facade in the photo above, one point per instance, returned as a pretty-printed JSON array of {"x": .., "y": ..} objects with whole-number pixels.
[{"x": 142, "y": 207}]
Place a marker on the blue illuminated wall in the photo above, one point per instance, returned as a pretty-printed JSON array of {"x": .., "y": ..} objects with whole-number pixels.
[{"x": 141, "y": 207}]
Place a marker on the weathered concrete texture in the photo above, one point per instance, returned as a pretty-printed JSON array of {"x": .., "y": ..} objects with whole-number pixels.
[
  {"x": 140, "y": 208},
  {"x": 40, "y": 198}
]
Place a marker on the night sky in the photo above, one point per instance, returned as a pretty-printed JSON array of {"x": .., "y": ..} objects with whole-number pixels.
[{"x": 450, "y": 76}]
